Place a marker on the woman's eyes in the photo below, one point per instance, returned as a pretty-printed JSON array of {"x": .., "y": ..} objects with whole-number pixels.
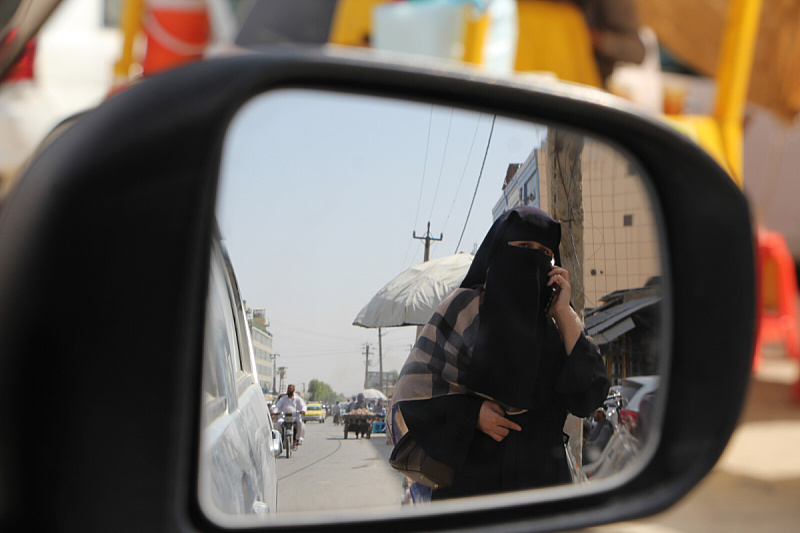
[{"x": 531, "y": 246}]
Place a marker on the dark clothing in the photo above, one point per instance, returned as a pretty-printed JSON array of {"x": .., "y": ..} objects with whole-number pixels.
[
  {"x": 514, "y": 334},
  {"x": 445, "y": 427},
  {"x": 492, "y": 338}
]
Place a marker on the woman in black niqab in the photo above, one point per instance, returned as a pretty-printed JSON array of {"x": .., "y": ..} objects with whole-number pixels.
[
  {"x": 489, "y": 383},
  {"x": 515, "y": 331}
]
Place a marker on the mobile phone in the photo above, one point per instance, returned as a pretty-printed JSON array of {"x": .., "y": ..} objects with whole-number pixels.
[{"x": 553, "y": 289}]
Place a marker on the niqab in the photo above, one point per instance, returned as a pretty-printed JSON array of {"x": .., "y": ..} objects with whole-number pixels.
[{"x": 515, "y": 335}]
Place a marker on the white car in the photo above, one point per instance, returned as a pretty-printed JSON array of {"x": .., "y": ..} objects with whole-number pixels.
[
  {"x": 238, "y": 444},
  {"x": 634, "y": 390}
]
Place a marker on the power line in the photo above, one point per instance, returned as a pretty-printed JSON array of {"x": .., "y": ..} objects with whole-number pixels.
[
  {"x": 424, "y": 166},
  {"x": 441, "y": 166},
  {"x": 486, "y": 153},
  {"x": 464, "y": 171},
  {"x": 421, "y": 186}
]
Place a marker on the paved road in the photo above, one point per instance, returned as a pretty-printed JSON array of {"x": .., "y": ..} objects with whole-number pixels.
[{"x": 330, "y": 473}]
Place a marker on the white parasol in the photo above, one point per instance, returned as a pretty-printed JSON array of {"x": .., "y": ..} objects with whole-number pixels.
[
  {"x": 374, "y": 394},
  {"x": 411, "y": 298}
]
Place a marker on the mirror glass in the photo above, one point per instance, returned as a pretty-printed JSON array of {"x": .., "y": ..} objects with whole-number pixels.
[{"x": 325, "y": 198}]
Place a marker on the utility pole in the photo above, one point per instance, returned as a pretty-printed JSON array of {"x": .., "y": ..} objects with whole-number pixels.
[
  {"x": 427, "y": 238},
  {"x": 380, "y": 362},
  {"x": 274, "y": 357},
  {"x": 564, "y": 174},
  {"x": 282, "y": 372},
  {"x": 366, "y": 367}
]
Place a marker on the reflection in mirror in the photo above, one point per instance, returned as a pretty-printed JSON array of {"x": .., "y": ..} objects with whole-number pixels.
[{"x": 329, "y": 205}]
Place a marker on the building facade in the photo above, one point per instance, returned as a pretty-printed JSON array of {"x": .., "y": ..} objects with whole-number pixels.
[
  {"x": 262, "y": 348},
  {"x": 617, "y": 248}
]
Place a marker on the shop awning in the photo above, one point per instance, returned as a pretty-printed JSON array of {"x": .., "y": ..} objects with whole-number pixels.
[{"x": 607, "y": 323}]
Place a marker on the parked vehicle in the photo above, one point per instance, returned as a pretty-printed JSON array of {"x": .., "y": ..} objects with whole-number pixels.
[
  {"x": 620, "y": 449},
  {"x": 633, "y": 390},
  {"x": 238, "y": 442}
]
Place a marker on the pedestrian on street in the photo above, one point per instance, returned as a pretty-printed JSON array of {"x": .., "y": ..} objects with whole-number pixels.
[{"x": 489, "y": 382}]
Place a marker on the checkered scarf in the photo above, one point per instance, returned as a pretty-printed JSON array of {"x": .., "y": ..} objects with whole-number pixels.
[{"x": 440, "y": 359}]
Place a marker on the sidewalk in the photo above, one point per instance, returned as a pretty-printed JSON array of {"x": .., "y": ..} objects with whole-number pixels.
[{"x": 755, "y": 486}]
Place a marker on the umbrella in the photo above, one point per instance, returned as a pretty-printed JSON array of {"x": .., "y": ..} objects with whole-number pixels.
[
  {"x": 411, "y": 297},
  {"x": 374, "y": 394}
]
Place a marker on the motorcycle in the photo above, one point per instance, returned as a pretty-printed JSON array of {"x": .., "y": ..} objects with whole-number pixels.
[
  {"x": 288, "y": 432},
  {"x": 621, "y": 449}
]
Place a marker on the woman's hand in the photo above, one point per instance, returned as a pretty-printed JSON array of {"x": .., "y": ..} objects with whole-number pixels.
[
  {"x": 493, "y": 422},
  {"x": 559, "y": 278},
  {"x": 569, "y": 325}
]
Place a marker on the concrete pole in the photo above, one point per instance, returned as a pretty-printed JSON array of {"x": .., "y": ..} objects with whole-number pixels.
[
  {"x": 274, "y": 370},
  {"x": 366, "y": 367},
  {"x": 427, "y": 238},
  {"x": 565, "y": 204},
  {"x": 380, "y": 362}
]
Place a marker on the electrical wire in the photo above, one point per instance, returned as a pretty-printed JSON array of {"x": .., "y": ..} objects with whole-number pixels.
[
  {"x": 424, "y": 167},
  {"x": 464, "y": 171},
  {"x": 441, "y": 165},
  {"x": 421, "y": 186},
  {"x": 485, "y": 154}
]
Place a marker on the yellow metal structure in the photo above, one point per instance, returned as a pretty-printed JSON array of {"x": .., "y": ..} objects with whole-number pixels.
[
  {"x": 352, "y": 22},
  {"x": 554, "y": 37},
  {"x": 477, "y": 28},
  {"x": 721, "y": 133},
  {"x": 733, "y": 77},
  {"x": 130, "y": 24}
]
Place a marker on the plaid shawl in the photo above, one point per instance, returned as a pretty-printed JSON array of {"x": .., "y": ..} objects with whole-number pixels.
[{"x": 440, "y": 359}]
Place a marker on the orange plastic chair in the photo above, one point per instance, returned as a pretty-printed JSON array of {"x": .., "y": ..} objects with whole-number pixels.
[{"x": 778, "y": 299}]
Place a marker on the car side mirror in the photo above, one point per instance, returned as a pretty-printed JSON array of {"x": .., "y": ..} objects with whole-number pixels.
[
  {"x": 277, "y": 443},
  {"x": 119, "y": 214}
]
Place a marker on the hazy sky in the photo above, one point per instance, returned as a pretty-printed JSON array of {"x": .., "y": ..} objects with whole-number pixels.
[{"x": 319, "y": 199}]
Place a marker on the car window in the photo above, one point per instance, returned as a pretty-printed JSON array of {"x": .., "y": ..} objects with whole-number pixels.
[
  {"x": 221, "y": 345},
  {"x": 628, "y": 389}
]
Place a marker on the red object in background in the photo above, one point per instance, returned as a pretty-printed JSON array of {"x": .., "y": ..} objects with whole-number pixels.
[
  {"x": 23, "y": 68},
  {"x": 629, "y": 417},
  {"x": 176, "y": 33},
  {"x": 777, "y": 299}
]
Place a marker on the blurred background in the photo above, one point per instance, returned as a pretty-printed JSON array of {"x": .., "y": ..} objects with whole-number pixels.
[{"x": 724, "y": 72}]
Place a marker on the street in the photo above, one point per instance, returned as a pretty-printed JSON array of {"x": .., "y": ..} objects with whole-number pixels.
[{"x": 330, "y": 473}]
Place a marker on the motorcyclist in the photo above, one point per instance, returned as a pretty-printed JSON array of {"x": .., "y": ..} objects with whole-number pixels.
[{"x": 292, "y": 403}]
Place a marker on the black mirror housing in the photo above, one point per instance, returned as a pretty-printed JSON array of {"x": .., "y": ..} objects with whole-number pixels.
[{"x": 111, "y": 225}]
